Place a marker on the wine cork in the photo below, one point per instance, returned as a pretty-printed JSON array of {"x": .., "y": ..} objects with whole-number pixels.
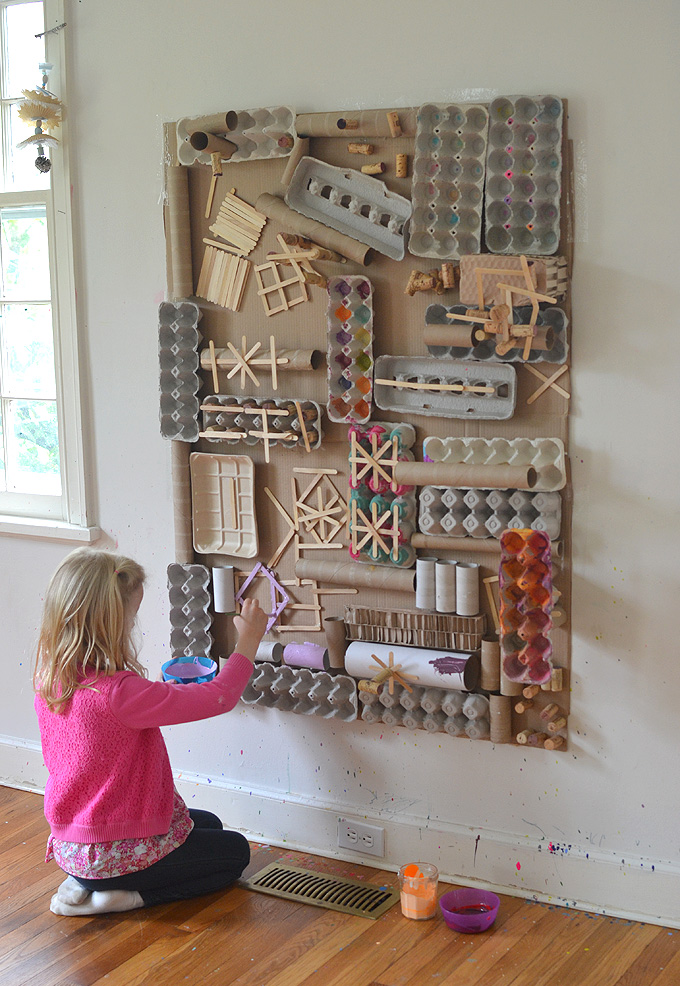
[
  {"x": 523, "y": 705},
  {"x": 394, "y": 124},
  {"x": 523, "y": 737},
  {"x": 500, "y": 719},
  {"x": 537, "y": 739},
  {"x": 374, "y": 169},
  {"x": 360, "y": 148},
  {"x": 491, "y": 664},
  {"x": 401, "y": 166},
  {"x": 554, "y": 743},
  {"x": 557, "y": 724},
  {"x": 448, "y": 275},
  {"x": 550, "y": 712},
  {"x": 530, "y": 691}
]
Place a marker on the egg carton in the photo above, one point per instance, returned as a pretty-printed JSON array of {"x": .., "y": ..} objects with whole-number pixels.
[
  {"x": 352, "y": 203},
  {"x": 305, "y": 692},
  {"x": 432, "y": 709},
  {"x": 190, "y": 619},
  {"x": 373, "y": 496},
  {"x": 178, "y": 342},
  {"x": 524, "y": 175},
  {"x": 283, "y": 429},
  {"x": 487, "y": 513},
  {"x": 448, "y": 180},
  {"x": 424, "y": 386},
  {"x": 525, "y": 592},
  {"x": 415, "y": 628},
  {"x": 350, "y": 348},
  {"x": 554, "y": 318},
  {"x": 546, "y": 455},
  {"x": 255, "y": 135}
]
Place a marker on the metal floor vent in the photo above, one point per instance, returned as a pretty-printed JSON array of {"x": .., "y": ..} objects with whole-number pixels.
[{"x": 322, "y": 890}]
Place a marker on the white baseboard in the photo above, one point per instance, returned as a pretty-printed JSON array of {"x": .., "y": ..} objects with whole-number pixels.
[{"x": 583, "y": 877}]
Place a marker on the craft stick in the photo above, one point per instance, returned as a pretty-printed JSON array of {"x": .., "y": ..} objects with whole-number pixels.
[
  {"x": 237, "y": 409},
  {"x": 294, "y": 526},
  {"x": 211, "y": 196},
  {"x": 549, "y": 382},
  {"x": 242, "y": 363},
  {"x": 541, "y": 376},
  {"x": 527, "y": 348},
  {"x": 232, "y": 503},
  {"x": 463, "y": 475},
  {"x": 277, "y": 210},
  {"x": 213, "y": 367},
  {"x": 492, "y": 602},
  {"x": 301, "y": 419},
  {"x": 310, "y": 469},
  {"x": 415, "y": 385},
  {"x": 222, "y": 246},
  {"x": 177, "y": 187},
  {"x": 325, "y": 546},
  {"x": 218, "y": 433},
  {"x": 511, "y": 289},
  {"x": 240, "y": 204}
]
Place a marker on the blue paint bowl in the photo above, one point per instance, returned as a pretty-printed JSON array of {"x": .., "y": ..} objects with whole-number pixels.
[{"x": 189, "y": 670}]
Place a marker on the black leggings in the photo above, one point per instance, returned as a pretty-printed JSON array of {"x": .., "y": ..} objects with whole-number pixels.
[{"x": 210, "y": 859}]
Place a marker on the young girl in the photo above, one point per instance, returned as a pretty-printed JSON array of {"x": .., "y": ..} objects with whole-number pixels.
[{"x": 118, "y": 827}]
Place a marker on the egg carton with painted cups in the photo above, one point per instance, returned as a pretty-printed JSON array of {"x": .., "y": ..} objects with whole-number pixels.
[
  {"x": 255, "y": 133},
  {"x": 448, "y": 180},
  {"x": 444, "y": 510},
  {"x": 524, "y": 175},
  {"x": 431, "y": 709},
  {"x": 525, "y": 592},
  {"x": 304, "y": 692},
  {"x": 554, "y": 319},
  {"x": 352, "y": 203},
  {"x": 178, "y": 341},
  {"x": 190, "y": 619},
  {"x": 545, "y": 455},
  {"x": 350, "y": 348},
  {"x": 448, "y": 389},
  {"x": 285, "y": 429}
]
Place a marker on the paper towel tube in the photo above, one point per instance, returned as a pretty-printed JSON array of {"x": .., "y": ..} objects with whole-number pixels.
[
  {"x": 354, "y": 574},
  {"x": 509, "y": 687},
  {"x": 181, "y": 502},
  {"x": 425, "y": 583},
  {"x": 491, "y": 664},
  {"x": 210, "y": 144},
  {"x": 300, "y": 150},
  {"x": 500, "y": 718},
  {"x": 223, "y": 589},
  {"x": 214, "y": 123},
  {"x": 461, "y": 336},
  {"x": 445, "y": 585},
  {"x": 177, "y": 186},
  {"x": 370, "y": 123},
  {"x": 434, "y": 668},
  {"x": 270, "y": 650},
  {"x": 306, "y": 655},
  {"x": 442, "y": 542},
  {"x": 501, "y": 477},
  {"x": 277, "y": 210},
  {"x": 336, "y": 641},
  {"x": 467, "y": 588}
]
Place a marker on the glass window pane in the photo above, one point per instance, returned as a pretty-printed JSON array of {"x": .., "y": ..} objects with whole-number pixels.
[
  {"x": 24, "y": 51},
  {"x": 27, "y": 351},
  {"x": 21, "y": 173},
  {"x": 32, "y": 447},
  {"x": 25, "y": 257}
]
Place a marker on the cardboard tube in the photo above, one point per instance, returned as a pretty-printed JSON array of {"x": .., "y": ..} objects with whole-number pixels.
[
  {"x": 210, "y": 144},
  {"x": 433, "y": 668},
  {"x": 215, "y": 123},
  {"x": 501, "y": 477},
  {"x": 500, "y": 718},
  {"x": 491, "y": 664},
  {"x": 277, "y": 210},
  {"x": 300, "y": 150},
  {"x": 297, "y": 359},
  {"x": 355, "y": 574},
  {"x": 445, "y": 585},
  {"x": 467, "y": 588},
  {"x": 370, "y": 123},
  {"x": 306, "y": 655},
  {"x": 425, "y": 583},
  {"x": 442, "y": 542},
  {"x": 271, "y": 651},
  {"x": 509, "y": 687},
  {"x": 459, "y": 336},
  {"x": 181, "y": 500},
  {"x": 336, "y": 641},
  {"x": 223, "y": 589},
  {"x": 177, "y": 185}
]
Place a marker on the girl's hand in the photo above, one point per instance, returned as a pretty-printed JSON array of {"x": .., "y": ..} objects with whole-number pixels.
[{"x": 250, "y": 625}]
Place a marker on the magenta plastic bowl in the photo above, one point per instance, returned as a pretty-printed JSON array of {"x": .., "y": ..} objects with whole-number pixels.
[{"x": 464, "y": 911}]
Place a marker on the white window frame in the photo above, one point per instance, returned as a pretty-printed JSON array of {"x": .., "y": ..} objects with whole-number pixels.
[{"x": 68, "y": 517}]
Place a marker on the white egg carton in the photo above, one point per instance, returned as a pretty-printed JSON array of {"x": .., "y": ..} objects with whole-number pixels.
[
  {"x": 190, "y": 619},
  {"x": 432, "y": 709},
  {"x": 420, "y": 385},
  {"x": 546, "y": 455},
  {"x": 415, "y": 628},
  {"x": 305, "y": 692},
  {"x": 256, "y": 136},
  {"x": 556, "y": 318},
  {"x": 352, "y": 203},
  {"x": 444, "y": 510},
  {"x": 179, "y": 381},
  {"x": 284, "y": 429},
  {"x": 349, "y": 355},
  {"x": 448, "y": 180},
  {"x": 524, "y": 175}
]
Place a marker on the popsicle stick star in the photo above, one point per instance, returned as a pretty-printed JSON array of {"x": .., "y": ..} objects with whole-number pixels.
[{"x": 393, "y": 672}]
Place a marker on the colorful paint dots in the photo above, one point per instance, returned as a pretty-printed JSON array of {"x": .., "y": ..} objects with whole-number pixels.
[{"x": 350, "y": 349}]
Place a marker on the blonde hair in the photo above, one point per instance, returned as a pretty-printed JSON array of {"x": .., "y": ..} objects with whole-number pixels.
[{"x": 86, "y": 631}]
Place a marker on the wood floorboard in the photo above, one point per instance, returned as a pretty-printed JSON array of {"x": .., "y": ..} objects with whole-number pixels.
[{"x": 243, "y": 938}]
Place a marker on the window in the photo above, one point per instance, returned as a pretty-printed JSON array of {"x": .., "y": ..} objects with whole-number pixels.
[{"x": 41, "y": 461}]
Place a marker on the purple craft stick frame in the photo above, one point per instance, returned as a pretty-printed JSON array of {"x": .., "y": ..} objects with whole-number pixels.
[{"x": 274, "y": 585}]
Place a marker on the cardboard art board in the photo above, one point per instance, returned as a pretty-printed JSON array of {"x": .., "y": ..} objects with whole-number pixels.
[{"x": 398, "y": 323}]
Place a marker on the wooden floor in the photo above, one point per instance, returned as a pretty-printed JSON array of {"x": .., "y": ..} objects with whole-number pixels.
[{"x": 250, "y": 939}]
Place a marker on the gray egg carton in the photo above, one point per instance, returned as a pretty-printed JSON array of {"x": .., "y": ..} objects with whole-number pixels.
[
  {"x": 433, "y": 709},
  {"x": 305, "y": 692},
  {"x": 178, "y": 342},
  {"x": 352, "y": 203},
  {"x": 255, "y": 135},
  {"x": 556, "y": 318},
  {"x": 415, "y": 628},
  {"x": 524, "y": 175},
  {"x": 487, "y": 513},
  {"x": 495, "y": 406},
  {"x": 448, "y": 180},
  {"x": 546, "y": 455},
  {"x": 278, "y": 425},
  {"x": 190, "y": 619}
]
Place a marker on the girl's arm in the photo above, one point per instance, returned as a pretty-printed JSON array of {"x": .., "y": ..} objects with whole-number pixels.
[{"x": 141, "y": 704}]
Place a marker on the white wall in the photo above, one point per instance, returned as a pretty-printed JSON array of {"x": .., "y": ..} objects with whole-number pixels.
[{"x": 609, "y": 806}]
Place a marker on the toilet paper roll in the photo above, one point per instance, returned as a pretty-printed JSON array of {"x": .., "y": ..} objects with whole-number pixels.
[
  {"x": 467, "y": 588},
  {"x": 445, "y": 585},
  {"x": 425, "y": 583},
  {"x": 223, "y": 589}
]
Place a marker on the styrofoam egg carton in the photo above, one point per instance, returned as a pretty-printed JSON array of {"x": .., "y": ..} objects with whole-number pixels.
[
  {"x": 448, "y": 180},
  {"x": 283, "y": 429},
  {"x": 255, "y": 135},
  {"x": 555, "y": 318},
  {"x": 546, "y": 455},
  {"x": 487, "y": 513},
  {"x": 352, "y": 203},
  {"x": 179, "y": 381},
  {"x": 190, "y": 619},
  {"x": 421, "y": 382},
  {"x": 302, "y": 691},
  {"x": 350, "y": 348},
  {"x": 524, "y": 175}
]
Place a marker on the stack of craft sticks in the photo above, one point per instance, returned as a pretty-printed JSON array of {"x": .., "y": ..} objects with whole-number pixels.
[
  {"x": 223, "y": 278},
  {"x": 239, "y": 223}
]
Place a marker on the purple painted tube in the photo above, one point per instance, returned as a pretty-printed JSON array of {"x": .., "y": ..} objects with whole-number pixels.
[{"x": 306, "y": 655}]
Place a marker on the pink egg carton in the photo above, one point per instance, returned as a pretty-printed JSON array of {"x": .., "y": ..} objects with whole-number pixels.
[{"x": 525, "y": 605}]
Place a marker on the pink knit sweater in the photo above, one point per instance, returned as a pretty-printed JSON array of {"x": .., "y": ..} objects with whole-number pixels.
[{"x": 109, "y": 771}]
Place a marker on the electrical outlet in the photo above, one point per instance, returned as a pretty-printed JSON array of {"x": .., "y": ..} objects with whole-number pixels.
[{"x": 360, "y": 837}]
